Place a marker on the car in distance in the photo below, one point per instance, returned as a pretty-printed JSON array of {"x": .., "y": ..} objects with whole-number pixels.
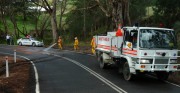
[{"x": 30, "y": 42}]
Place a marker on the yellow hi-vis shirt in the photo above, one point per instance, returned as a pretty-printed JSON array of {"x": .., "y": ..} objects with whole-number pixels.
[
  {"x": 93, "y": 45},
  {"x": 76, "y": 42}
]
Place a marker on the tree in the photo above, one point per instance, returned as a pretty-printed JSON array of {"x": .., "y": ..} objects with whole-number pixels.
[
  {"x": 115, "y": 10},
  {"x": 41, "y": 21},
  {"x": 52, "y": 12},
  {"x": 3, "y": 12},
  {"x": 167, "y": 12},
  {"x": 97, "y": 15},
  {"x": 75, "y": 18},
  {"x": 63, "y": 5},
  {"x": 15, "y": 10},
  {"x": 138, "y": 9},
  {"x": 12, "y": 9}
]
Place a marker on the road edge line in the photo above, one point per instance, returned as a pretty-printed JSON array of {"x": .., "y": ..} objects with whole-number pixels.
[
  {"x": 166, "y": 81},
  {"x": 106, "y": 81},
  {"x": 37, "y": 90}
]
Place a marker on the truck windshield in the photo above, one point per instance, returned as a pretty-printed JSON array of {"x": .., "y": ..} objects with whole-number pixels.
[{"x": 153, "y": 38}]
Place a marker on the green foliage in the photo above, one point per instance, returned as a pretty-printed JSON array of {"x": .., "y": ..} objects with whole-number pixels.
[
  {"x": 94, "y": 19},
  {"x": 167, "y": 12},
  {"x": 177, "y": 27},
  {"x": 96, "y": 22},
  {"x": 141, "y": 11},
  {"x": 177, "y": 30},
  {"x": 47, "y": 38},
  {"x": 101, "y": 31},
  {"x": 22, "y": 25},
  {"x": 138, "y": 9}
]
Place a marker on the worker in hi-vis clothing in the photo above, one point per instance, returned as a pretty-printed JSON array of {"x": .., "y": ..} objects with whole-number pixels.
[
  {"x": 119, "y": 31},
  {"x": 76, "y": 43},
  {"x": 93, "y": 45},
  {"x": 60, "y": 43}
]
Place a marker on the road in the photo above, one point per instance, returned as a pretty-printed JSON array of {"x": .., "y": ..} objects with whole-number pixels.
[{"x": 71, "y": 72}]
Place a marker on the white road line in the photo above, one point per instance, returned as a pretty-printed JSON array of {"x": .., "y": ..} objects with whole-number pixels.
[
  {"x": 164, "y": 81},
  {"x": 37, "y": 90},
  {"x": 106, "y": 81},
  {"x": 36, "y": 74},
  {"x": 172, "y": 84},
  {"x": 147, "y": 75}
]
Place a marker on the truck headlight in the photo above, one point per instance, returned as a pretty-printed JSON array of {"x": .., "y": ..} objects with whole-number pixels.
[
  {"x": 173, "y": 61},
  {"x": 145, "y": 61}
]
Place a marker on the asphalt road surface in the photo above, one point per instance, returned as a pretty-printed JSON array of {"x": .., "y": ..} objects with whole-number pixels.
[{"x": 71, "y": 72}]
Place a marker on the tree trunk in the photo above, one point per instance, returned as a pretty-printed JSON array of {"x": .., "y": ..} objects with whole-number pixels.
[
  {"x": 60, "y": 22},
  {"x": 5, "y": 24},
  {"x": 54, "y": 28},
  {"x": 54, "y": 22},
  {"x": 63, "y": 5},
  {"x": 60, "y": 25},
  {"x": 36, "y": 25},
  {"x": 128, "y": 17},
  {"x": 117, "y": 16},
  {"x": 3, "y": 20},
  {"x": 17, "y": 31},
  {"x": 15, "y": 26},
  {"x": 43, "y": 26}
]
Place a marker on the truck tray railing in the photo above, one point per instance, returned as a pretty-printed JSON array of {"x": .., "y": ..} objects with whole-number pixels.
[{"x": 158, "y": 67}]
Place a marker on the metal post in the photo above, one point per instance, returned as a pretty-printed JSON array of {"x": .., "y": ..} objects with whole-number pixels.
[
  {"x": 7, "y": 67},
  {"x": 14, "y": 56}
]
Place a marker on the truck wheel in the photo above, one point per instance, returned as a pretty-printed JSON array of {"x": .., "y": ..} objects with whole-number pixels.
[
  {"x": 126, "y": 72},
  {"x": 102, "y": 64},
  {"x": 162, "y": 75}
]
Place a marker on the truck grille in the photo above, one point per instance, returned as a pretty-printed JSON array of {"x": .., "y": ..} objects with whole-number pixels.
[{"x": 161, "y": 61}]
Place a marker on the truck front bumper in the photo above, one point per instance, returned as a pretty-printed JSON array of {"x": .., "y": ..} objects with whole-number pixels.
[{"x": 157, "y": 67}]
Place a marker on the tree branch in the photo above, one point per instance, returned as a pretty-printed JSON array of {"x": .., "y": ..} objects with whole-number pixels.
[
  {"x": 102, "y": 8},
  {"x": 90, "y": 7}
]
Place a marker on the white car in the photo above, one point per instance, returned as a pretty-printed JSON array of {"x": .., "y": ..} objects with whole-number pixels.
[{"x": 29, "y": 41}]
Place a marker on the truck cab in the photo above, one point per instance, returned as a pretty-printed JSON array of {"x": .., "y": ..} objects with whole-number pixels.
[
  {"x": 155, "y": 50},
  {"x": 140, "y": 50}
]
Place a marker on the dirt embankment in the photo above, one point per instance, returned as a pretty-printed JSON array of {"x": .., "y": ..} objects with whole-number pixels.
[{"x": 21, "y": 78}]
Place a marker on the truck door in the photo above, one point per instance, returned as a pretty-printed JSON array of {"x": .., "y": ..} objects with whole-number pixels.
[
  {"x": 129, "y": 46},
  {"x": 116, "y": 45}
]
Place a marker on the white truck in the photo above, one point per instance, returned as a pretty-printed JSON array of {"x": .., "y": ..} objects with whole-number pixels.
[{"x": 139, "y": 50}]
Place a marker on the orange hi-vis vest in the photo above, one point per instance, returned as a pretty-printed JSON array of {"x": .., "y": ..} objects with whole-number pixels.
[{"x": 119, "y": 32}]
